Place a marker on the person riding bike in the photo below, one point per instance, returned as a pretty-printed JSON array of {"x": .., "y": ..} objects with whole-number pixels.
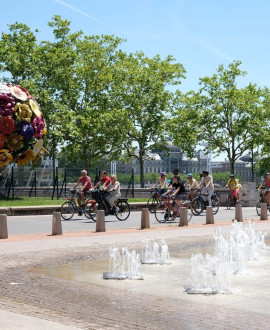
[
  {"x": 162, "y": 181},
  {"x": 234, "y": 187},
  {"x": 86, "y": 183},
  {"x": 104, "y": 180},
  {"x": 207, "y": 184},
  {"x": 177, "y": 192},
  {"x": 192, "y": 185},
  {"x": 113, "y": 192},
  {"x": 266, "y": 184}
]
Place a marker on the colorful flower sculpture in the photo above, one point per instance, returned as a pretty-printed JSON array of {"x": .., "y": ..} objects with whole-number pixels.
[
  {"x": 7, "y": 125},
  {"x": 7, "y": 104},
  {"x": 25, "y": 157},
  {"x": 3, "y": 139},
  {"x": 5, "y": 157},
  {"x": 22, "y": 126}
]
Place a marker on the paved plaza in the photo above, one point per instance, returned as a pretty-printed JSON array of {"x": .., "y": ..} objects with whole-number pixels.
[{"x": 55, "y": 282}]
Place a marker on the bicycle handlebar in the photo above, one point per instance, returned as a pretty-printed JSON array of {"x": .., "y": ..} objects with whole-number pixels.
[{"x": 73, "y": 191}]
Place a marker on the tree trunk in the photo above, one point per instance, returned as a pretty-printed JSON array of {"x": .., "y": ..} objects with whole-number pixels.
[
  {"x": 86, "y": 160},
  {"x": 232, "y": 165},
  {"x": 141, "y": 169}
]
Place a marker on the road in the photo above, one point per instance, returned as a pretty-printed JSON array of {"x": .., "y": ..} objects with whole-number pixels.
[{"x": 40, "y": 224}]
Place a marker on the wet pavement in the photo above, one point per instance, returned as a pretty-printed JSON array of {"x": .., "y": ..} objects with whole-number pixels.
[{"x": 55, "y": 282}]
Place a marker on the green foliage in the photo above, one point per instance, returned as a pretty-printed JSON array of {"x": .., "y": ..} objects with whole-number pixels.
[
  {"x": 263, "y": 166},
  {"x": 18, "y": 53},
  {"x": 229, "y": 119},
  {"x": 99, "y": 102},
  {"x": 80, "y": 70},
  {"x": 145, "y": 100}
]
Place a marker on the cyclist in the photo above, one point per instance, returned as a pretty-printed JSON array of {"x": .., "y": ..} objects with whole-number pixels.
[
  {"x": 234, "y": 187},
  {"x": 86, "y": 183},
  {"x": 207, "y": 184},
  {"x": 192, "y": 185},
  {"x": 177, "y": 192},
  {"x": 266, "y": 184},
  {"x": 162, "y": 181},
  {"x": 104, "y": 180},
  {"x": 113, "y": 192}
]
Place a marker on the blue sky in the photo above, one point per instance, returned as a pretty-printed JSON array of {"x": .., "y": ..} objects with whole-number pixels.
[{"x": 200, "y": 34}]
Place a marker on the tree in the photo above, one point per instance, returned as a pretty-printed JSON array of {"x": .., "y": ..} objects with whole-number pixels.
[
  {"x": 145, "y": 101},
  {"x": 79, "y": 72},
  {"x": 228, "y": 118},
  {"x": 17, "y": 53}
]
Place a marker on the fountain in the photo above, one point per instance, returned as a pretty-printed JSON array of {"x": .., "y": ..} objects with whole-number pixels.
[
  {"x": 123, "y": 265},
  {"x": 212, "y": 274},
  {"x": 151, "y": 253}
]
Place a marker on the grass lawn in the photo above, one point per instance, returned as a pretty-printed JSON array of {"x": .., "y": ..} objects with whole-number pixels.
[{"x": 35, "y": 201}]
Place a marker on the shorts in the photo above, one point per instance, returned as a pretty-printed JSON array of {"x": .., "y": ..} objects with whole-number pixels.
[
  {"x": 180, "y": 197},
  {"x": 162, "y": 191},
  {"x": 85, "y": 192}
]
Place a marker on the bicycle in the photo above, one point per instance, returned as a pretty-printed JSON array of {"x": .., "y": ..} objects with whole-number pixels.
[
  {"x": 153, "y": 201},
  {"x": 69, "y": 207},
  {"x": 200, "y": 203},
  {"x": 230, "y": 201},
  {"x": 99, "y": 202},
  {"x": 163, "y": 211},
  {"x": 260, "y": 201}
]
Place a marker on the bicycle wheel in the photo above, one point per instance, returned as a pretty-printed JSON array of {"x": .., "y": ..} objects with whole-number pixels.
[
  {"x": 124, "y": 210},
  {"x": 197, "y": 206},
  {"x": 152, "y": 204},
  {"x": 162, "y": 213},
  {"x": 90, "y": 210},
  {"x": 229, "y": 203},
  {"x": 215, "y": 205},
  {"x": 67, "y": 210},
  {"x": 258, "y": 207}
]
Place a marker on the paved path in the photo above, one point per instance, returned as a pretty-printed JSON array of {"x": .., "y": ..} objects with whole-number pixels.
[
  {"x": 35, "y": 224},
  {"x": 32, "y": 299}
]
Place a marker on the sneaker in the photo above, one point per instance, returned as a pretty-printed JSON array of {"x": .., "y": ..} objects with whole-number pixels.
[
  {"x": 117, "y": 210},
  {"x": 80, "y": 213}
]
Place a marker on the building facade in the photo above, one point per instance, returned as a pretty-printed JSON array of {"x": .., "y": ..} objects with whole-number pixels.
[{"x": 166, "y": 161}]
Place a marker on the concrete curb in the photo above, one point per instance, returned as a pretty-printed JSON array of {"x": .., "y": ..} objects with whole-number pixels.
[{"x": 49, "y": 209}]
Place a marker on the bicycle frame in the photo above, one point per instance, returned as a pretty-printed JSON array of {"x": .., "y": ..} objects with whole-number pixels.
[
  {"x": 69, "y": 206},
  {"x": 92, "y": 205},
  {"x": 165, "y": 211},
  {"x": 103, "y": 202}
]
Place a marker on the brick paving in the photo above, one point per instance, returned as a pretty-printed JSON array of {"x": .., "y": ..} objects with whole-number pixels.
[{"x": 91, "y": 306}]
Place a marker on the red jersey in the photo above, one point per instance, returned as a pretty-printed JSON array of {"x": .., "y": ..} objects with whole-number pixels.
[
  {"x": 84, "y": 180},
  {"x": 105, "y": 180}
]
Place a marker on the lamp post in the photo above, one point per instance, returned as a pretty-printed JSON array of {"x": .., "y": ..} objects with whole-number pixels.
[
  {"x": 113, "y": 167},
  {"x": 53, "y": 155},
  {"x": 252, "y": 164},
  {"x": 209, "y": 158}
]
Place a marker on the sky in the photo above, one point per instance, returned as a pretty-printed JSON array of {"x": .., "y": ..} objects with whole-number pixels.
[{"x": 200, "y": 34}]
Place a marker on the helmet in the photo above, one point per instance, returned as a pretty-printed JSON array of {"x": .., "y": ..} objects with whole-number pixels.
[
  {"x": 232, "y": 175},
  {"x": 205, "y": 172},
  {"x": 162, "y": 173},
  {"x": 189, "y": 175}
]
